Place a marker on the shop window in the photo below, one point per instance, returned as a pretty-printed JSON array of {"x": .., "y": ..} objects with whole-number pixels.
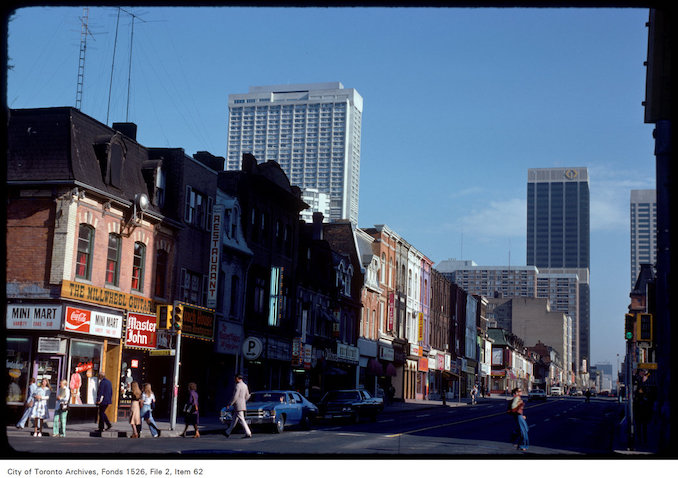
[
  {"x": 138, "y": 266},
  {"x": 17, "y": 364},
  {"x": 83, "y": 372},
  {"x": 83, "y": 264},
  {"x": 161, "y": 261},
  {"x": 113, "y": 260}
]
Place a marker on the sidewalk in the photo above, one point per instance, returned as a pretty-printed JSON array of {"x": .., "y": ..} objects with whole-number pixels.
[{"x": 208, "y": 424}]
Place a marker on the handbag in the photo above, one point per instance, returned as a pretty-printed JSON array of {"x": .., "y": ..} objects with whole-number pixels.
[
  {"x": 189, "y": 409},
  {"x": 63, "y": 406}
]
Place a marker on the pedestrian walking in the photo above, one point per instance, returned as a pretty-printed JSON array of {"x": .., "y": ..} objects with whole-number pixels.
[
  {"x": 474, "y": 394},
  {"x": 104, "y": 397},
  {"x": 642, "y": 412},
  {"x": 135, "y": 410},
  {"x": 588, "y": 395},
  {"x": 28, "y": 403},
  {"x": 39, "y": 412},
  {"x": 148, "y": 405},
  {"x": 191, "y": 411},
  {"x": 238, "y": 402},
  {"x": 61, "y": 410},
  {"x": 520, "y": 423}
]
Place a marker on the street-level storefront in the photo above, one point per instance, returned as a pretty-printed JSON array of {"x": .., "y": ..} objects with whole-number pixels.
[
  {"x": 400, "y": 351},
  {"x": 268, "y": 362},
  {"x": 370, "y": 368},
  {"x": 76, "y": 343},
  {"x": 436, "y": 368}
]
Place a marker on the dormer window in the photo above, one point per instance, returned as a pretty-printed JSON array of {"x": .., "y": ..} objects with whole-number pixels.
[{"x": 111, "y": 155}]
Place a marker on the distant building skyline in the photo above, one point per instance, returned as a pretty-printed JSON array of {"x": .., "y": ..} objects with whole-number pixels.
[
  {"x": 643, "y": 230},
  {"x": 312, "y": 130},
  {"x": 558, "y": 237}
]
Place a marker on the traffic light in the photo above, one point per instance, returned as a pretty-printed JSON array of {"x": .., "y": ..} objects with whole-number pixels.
[
  {"x": 628, "y": 326},
  {"x": 178, "y": 316},
  {"x": 644, "y": 328},
  {"x": 164, "y": 314}
]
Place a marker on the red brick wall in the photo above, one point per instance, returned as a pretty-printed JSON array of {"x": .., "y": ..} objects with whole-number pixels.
[{"x": 30, "y": 224}]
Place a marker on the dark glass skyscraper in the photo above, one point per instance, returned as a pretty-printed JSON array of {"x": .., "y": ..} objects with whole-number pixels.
[{"x": 558, "y": 237}]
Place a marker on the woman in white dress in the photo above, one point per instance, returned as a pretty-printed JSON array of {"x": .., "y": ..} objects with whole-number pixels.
[{"x": 39, "y": 412}]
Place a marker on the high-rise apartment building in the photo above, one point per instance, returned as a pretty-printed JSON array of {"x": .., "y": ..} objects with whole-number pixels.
[
  {"x": 312, "y": 130},
  {"x": 643, "y": 230},
  {"x": 558, "y": 236}
]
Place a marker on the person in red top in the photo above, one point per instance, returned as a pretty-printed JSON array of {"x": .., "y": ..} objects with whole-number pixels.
[{"x": 517, "y": 406}]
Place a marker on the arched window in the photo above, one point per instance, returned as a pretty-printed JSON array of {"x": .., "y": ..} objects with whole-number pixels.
[
  {"x": 83, "y": 264},
  {"x": 138, "y": 266},
  {"x": 113, "y": 260}
]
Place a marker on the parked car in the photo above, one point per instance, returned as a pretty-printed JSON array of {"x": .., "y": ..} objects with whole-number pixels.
[
  {"x": 276, "y": 408},
  {"x": 350, "y": 404},
  {"x": 536, "y": 394},
  {"x": 574, "y": 392},
  {"x": 556, "y": 391}
]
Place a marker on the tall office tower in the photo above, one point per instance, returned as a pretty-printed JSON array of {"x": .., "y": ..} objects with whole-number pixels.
[
  {"x": 312, "y": 130},
  {"x": 558, "y": 237},
  {"x": 643, "y": 230}
]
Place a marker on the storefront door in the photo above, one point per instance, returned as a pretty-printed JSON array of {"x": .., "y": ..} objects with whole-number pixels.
[{"x": 48, "y": 367}]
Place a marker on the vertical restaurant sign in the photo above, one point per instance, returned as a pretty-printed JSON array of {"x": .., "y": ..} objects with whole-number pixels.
[
  {"x": 141, "y": 330},
  {"x": 296, "y": 351},
  {"x": 214, "y": 255},
  {"x": 308, "y": 356},
  {"x": 420, "y": 327},
  {"x": 36, "y": 317},
  {"x": 93, "y": 323},
  {"x": 391, "y": 310}
]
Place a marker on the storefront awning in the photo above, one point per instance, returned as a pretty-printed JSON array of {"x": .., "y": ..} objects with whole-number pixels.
[{"x": 374, "y": 367}]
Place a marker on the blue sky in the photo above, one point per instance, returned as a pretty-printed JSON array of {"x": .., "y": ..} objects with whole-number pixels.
[{"x": 458, "y": 104}]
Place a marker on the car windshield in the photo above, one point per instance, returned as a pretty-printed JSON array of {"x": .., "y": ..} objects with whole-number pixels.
[
  {"x": 345, "y": 395},
  {"x": 267, "y": 397}
]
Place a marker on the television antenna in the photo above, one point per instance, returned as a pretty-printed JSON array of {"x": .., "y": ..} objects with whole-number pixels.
[{"x": 84, "y": 31}]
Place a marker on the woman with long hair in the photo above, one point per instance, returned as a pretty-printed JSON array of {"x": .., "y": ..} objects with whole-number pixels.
[
  {"x": 191, "y": 413},
  {"x": 148, "y": 404},
  {"x": 135, "y": 407},
  {"x": 39, "y": 411}
]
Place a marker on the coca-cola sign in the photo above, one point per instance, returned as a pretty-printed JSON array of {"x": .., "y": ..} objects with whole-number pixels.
[
  {"x": 77, "y": 320},
  {"x": 93, "y": 322}
]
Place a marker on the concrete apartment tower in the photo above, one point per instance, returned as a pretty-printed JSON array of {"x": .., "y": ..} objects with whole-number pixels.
[
  {"x": 312, "y": 130},
  {"x": 558, "y": 238},
  {"x": 643, "y": 230}
]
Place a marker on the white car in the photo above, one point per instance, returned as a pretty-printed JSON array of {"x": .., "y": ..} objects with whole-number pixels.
[
  {"x": 536, "y": 394},
  {"x": 556, "y": 391}
]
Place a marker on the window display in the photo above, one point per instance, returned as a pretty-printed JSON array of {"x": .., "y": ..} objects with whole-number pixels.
[
  {"x": 84, "y": 372},
  {"x": 17, "y": 364}
]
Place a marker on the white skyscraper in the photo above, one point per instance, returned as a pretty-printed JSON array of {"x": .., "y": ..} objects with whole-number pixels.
[
  {"x": 643, "y": 230},
  {"x": 312, "y": 130}
]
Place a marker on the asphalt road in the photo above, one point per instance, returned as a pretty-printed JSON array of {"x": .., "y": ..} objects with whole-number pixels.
[{"x": 558, "y": 426}]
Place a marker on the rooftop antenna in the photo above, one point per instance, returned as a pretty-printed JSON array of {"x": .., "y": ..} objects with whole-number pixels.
[
  {"x": 129, "y": 70},
  {"x": 115, "y": 44},
  {"x": 84, "y": 31}
]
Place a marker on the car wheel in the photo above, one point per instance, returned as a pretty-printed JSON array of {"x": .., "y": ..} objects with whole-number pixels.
[{"x": 279, "y": 424}]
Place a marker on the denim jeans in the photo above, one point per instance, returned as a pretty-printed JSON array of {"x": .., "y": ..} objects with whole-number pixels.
[
  {"x": 59, "y": 426},
  {"x": 524, "y": 440},
  {"x": 147, "y": 413}
]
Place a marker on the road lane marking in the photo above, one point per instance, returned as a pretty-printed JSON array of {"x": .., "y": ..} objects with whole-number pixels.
[{"x": 396, "y": 435}]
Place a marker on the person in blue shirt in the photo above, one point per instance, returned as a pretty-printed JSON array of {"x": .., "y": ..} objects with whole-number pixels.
[
  {"x": 28, "y": 404},
  {"x": 104, "y": 399}
]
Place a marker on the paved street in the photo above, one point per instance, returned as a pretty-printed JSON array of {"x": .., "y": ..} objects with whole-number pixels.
[{"x": 559, "y": 426}]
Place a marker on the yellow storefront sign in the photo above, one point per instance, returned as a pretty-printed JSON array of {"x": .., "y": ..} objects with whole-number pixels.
[{"x": 106, "y": 297}]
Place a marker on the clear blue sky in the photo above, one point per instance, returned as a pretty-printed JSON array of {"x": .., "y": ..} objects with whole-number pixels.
[{"x": 458, "y": 104}]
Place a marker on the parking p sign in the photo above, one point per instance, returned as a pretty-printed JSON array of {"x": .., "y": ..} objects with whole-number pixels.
[{"x": 251, "y": 348}]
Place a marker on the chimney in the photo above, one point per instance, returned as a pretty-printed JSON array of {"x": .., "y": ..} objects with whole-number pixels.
[
  {"x": 318, "y": 226},
  {"x": 249, "y": 163},
  {"x": 128, "y": 129}
]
